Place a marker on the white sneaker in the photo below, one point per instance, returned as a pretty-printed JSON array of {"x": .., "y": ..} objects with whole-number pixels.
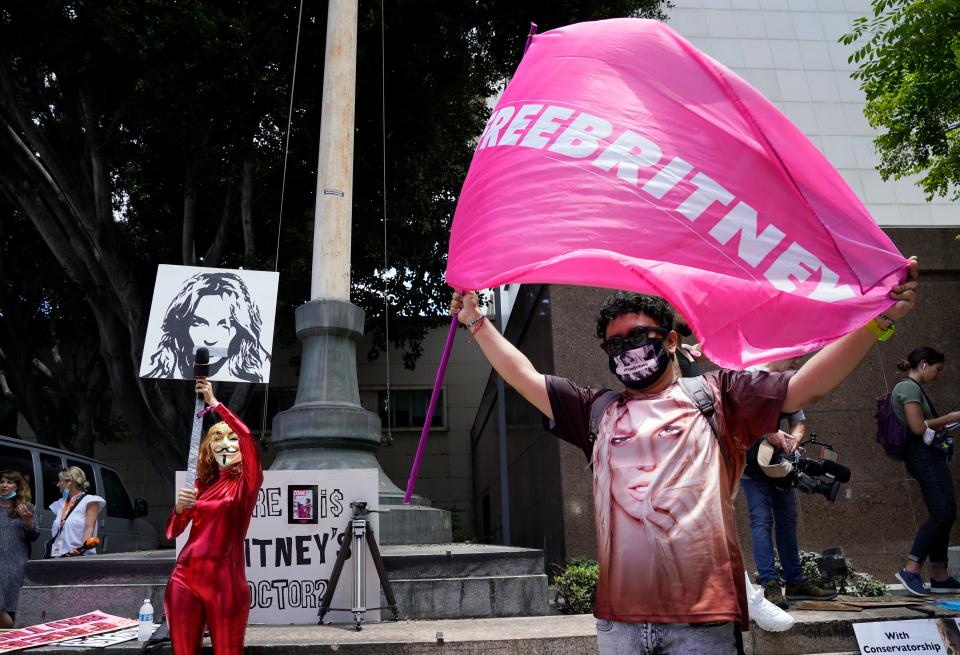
[{"x": 768, "y": 616}]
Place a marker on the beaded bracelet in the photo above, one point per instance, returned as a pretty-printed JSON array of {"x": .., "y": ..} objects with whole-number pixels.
[{"x": 474, "y": 325}]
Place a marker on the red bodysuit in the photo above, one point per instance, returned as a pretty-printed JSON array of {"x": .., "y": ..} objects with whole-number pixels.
[{"x": 208, "y": 585}]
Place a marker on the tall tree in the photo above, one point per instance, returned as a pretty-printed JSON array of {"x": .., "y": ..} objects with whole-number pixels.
[
  {"x": 909, "y": 57},
  {"x": 139, "y": 133},
  {"x": 50, "y": 365}
]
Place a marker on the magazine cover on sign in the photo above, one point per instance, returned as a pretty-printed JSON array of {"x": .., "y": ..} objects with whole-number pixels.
[{"x": 302, "y": 504}]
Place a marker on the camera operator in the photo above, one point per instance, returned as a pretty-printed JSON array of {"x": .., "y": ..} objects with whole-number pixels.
[{"x": 774, "y": 508}]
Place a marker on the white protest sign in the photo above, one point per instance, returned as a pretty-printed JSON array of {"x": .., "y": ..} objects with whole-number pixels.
[
  {"x": 229, "y": 312},
  {"x": 916, "y": 636},
  {"x": 295, "y": 534}
]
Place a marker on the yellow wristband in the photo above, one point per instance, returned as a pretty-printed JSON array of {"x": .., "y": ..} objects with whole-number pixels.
[{"x": 883, "y": 334}]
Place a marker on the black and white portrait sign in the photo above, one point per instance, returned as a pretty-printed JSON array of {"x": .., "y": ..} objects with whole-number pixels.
[{"x": 229, "y": 312}]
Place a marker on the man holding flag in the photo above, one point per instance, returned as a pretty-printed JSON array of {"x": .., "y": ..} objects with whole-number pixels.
[
  {"x": 619, "y": 156},
  {"x": 671, "y": 573}
]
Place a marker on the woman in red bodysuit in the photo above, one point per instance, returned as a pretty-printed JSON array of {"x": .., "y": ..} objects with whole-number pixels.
[{"x": 208, "y": 586}]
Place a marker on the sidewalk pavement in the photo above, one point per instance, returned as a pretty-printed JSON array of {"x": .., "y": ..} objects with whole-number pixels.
[
  {"x": 542, "y": 635},
  {"x": 815, "y": 632}
]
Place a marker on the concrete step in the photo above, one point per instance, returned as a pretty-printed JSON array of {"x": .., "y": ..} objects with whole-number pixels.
[
  {"x": 473, "y": 597},
  {"x": 433, "y": 581},
  {"x": 405, "y": 524},
  {"x": 143, "y": 567},
  {"x": 818, "y": 632},
  {"x": 460, "y": 560}
]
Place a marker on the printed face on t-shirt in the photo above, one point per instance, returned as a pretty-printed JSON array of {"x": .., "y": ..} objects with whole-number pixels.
[{"x": 648, "y": 477}]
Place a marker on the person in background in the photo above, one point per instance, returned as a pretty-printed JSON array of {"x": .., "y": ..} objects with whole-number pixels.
[
  {"x": 774, "y": 510},
  {"x": 75, "y": 516},
  {"x": 927, "y": 450},
  {"x": 17, "y": 532}
]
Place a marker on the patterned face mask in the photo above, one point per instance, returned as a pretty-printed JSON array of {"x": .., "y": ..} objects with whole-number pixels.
[{"x": 639, "y": 368}]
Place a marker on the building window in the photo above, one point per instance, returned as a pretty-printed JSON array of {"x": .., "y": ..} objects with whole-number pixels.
[
  {"x": 118, "y": 502},
  {"x": 88, "y": 471},
  {"x": 408, "y": 409},
  {"x": 19, "y": 460},
  {"x": 50, "y": 467}
]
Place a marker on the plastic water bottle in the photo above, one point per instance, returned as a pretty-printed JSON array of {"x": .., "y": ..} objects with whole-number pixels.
[{"x": 146, "y": 621}]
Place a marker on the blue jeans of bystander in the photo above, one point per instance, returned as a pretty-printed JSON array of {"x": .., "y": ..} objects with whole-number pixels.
[
  {"x": 773, "y": 510},
  {"x": 929, "y": 467}
]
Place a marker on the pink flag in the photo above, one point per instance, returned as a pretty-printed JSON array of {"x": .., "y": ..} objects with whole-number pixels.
[{"x": 621, "y": 156}]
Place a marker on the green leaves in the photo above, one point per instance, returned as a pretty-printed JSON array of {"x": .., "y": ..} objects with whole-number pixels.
[
  {"x": 854, "y": 583},
  {"x": 576, "y": 586},
  {"x": 909, "y": 56}
]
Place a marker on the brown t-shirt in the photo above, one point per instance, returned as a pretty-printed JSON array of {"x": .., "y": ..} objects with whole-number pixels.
[{"x": 663, "y": 489}]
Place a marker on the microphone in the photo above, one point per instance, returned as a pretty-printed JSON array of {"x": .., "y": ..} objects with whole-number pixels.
[
  {"x": 817, "y": 467},
  {"x": 838, "y": 471},
  {"x": 201, "y": 366}
]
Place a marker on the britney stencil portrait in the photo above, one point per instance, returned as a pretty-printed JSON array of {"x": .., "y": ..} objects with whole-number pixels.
[{"x": 216, "y": 311}]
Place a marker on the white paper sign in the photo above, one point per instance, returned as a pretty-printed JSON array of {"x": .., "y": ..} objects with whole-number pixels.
[
  {"x": 917, "y": 636},
  {"x": 102, "y": 641},
  {"x": 229, "y": 312},
  {"x": 295, "y": 534}
]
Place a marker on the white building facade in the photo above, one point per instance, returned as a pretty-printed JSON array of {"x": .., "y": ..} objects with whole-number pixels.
[{"x": 790, "y": 51}]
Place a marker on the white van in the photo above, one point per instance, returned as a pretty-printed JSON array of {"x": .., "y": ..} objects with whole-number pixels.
[{"x": 121, "y": 527}]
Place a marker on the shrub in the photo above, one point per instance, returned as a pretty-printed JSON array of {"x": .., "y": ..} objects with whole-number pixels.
[
  {"x": 854, "y": 583},
  {"x": 576, "y": 586}
]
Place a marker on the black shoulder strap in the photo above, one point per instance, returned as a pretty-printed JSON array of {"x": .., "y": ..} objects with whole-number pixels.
[
  {"x": 599, "y": 407},
  {"x": 69, "y": 512},
  {"x": 698, "y": 391},
  {"x": 925, "y": 396}
]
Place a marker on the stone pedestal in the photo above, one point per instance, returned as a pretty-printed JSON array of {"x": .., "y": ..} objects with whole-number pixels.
[{"x": 328, "y": 429}]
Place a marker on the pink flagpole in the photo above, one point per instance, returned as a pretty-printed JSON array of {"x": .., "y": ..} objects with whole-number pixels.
[{"x": 451, "y": 334}]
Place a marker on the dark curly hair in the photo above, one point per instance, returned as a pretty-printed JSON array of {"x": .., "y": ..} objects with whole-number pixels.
[{"x": 628, "y": 302}]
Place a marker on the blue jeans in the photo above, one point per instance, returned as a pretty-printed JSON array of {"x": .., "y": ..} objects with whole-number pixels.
[
  {"x": 773, "y": 510},
  {"x": 620, "y": 638},
  {"x": 929, "y": 467}
]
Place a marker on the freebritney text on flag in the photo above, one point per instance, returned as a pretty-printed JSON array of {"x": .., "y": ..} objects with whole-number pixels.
[{"x": 585, "y": 139}]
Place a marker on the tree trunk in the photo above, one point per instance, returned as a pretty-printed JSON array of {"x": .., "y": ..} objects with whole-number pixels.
[
  {"x": 246, "y": 210},
  {"x": 187, "y": 248},
  {"x": 87, "y": 251}
]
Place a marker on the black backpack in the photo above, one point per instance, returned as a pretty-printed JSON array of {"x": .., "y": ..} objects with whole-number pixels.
[{"x": 695, "y": 388}]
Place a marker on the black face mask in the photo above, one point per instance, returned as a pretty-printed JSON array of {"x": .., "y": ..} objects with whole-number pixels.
[{"x": 639, "y": 368}]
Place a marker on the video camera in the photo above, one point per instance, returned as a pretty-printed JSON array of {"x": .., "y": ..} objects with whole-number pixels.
[{"x": 813, "y": 475}]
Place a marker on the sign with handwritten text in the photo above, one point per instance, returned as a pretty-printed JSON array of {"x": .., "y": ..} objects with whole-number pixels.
[
  {"x": 298, "y": 527},
  {"x": 916, "y": 636}
]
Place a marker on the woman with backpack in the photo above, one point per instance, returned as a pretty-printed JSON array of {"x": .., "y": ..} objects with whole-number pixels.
[{"x": 926, "y": 451}]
